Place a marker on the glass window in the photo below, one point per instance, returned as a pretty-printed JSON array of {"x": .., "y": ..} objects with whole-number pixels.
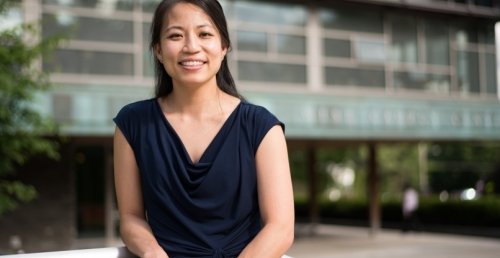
[
  {"x": 404, "y": 39},
  {"x": 337, "y": 48},
  {"x": 271, "y": 13},
  {"x": 271, "y": 72},
  {"x": 370, "y": 51},
  {"x": 89, "y": 62},
  {"x": 486, "y": 3},
  {"x": 84, "y": 28},
  {"x": 100, "y": 5},
  {"x": 62, "y": 108},
  {"x": 488, "y": 33},
  {"x": 352, "y": 20},
  {"x": 491, "y": 75},
  {"x": 291, "y": 44},
  {"x": 252, "y": 41},
  {"x": 474, "y": 33},
  {"x": 426, "y": 2},
  {"x": 465, "y": 34},
  {"x": 354, "y": 77},
  {"x": 437, "y": 83},
  {"x": 436, "y": 42},
  {"x": 149, "y": 5},
  {"x": 468, "y": 72}
]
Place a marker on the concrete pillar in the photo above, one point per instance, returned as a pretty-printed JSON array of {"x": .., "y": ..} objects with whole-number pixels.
[
  {"x": 312, "y": 175},
  {"x": 109, "y": 203},
  {"x": 373, "y": 190}
]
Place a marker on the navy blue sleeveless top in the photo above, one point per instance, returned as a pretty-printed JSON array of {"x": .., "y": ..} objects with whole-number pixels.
[{"x": 207, "y": 209}]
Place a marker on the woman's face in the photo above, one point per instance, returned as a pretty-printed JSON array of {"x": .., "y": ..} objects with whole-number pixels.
[{"x": 190, "y": 46}]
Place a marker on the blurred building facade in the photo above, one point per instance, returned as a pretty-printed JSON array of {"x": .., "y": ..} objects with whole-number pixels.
[{"x": 345, "y": 70}]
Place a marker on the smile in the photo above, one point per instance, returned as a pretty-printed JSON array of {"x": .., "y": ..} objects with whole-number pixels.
[{"x": 192, "y": 63}]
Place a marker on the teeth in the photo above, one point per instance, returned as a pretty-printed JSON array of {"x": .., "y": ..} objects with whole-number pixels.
[{"x": 192, "y": 63}]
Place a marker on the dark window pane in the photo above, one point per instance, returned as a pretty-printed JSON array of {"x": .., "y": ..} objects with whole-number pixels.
[
  {"x": 468, "y": 72},
  {"x": 354, "y": 77},
  {"x": 271, "y": 13},
  {"x": 436, "y": 42},
  {"x": 486, "y": 3},
  {"x": 337, "y": 48},
  {"x": 491, "y": 74},
  {"x": 466, "y": 33},
  {"x": 291, "y": 44},
  {"x": 89, "y": 62},
  {"x": 149, "y": 5},
  {"x": 271, "y": 72},
  {"x": 488, "y": 34},
  {"x": 352, "y": 20},
  {"x": 84, "y": 28},
  {"x": 99, "y": 5},
  {"x": 483, "y": 33},
  {"x": 404, "y": 39},
  {"x": 252, "y": 41}
]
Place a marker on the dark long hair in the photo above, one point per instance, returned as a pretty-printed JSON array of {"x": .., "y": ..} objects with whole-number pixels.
[{"x": 163, "y": 81}]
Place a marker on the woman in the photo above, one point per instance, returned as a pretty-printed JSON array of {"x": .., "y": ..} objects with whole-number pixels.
[{"x": 199, "y": 172}]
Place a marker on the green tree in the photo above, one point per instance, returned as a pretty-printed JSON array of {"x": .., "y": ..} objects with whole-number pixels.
[
  {"x": 23, "y": 130},
  {"x": 398, "y": 164}
]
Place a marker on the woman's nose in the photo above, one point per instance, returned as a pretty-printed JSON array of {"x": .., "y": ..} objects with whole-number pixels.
[{"x": 192, "y": 44}]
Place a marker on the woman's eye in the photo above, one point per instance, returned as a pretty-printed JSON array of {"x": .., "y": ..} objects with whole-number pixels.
[
  {"x": 174, "y": 36},
  {"x": 205, "y": 34}
]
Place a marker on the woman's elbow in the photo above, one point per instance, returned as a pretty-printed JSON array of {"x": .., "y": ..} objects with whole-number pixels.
[
  {"x": 289, "y": 236},
  {"x": 285, "y": 235}
]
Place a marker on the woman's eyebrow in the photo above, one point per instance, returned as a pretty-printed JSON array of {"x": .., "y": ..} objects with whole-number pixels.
[{"x": 181, "y": 28}]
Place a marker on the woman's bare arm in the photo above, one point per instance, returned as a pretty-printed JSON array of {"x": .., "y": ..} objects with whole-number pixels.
[
  {"x": 275, "y": 198},
  {"x": 134, "y": 229}
]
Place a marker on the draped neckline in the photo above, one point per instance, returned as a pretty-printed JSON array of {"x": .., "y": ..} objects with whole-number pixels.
[{"x": 210, "y": 146}]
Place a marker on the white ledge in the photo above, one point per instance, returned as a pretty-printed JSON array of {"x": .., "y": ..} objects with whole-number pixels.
[{"x": 108, "y": 252}]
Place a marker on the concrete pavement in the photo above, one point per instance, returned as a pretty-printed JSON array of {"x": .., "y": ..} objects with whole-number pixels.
[{"x": 331, "y": 241}]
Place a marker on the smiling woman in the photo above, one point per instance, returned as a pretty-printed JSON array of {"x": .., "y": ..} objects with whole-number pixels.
[
  {"x": 200, "y": 172},
  {"x": 190, "y": 47}
]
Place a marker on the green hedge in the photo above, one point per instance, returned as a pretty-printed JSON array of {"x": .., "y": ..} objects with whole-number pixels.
[{"x": 483, "y": 212}]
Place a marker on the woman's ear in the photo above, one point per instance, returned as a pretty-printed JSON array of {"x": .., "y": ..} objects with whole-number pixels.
[
  {"x": 157, "y": 51},
  {"x": 224, "y": 52}
]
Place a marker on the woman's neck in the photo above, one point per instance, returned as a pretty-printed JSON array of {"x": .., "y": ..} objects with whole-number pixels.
[{"x": 199, "y": 102}]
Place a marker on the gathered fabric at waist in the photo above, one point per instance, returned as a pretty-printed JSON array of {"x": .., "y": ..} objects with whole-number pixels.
[{"x": 201, "y": 252}]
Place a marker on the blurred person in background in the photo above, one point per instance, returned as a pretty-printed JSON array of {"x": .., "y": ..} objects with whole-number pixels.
[
  {"x": 197, "y": 168},
  {"x": 409, "y": 208}
]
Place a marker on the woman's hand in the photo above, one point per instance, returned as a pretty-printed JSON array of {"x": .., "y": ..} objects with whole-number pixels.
[{"x": 157, "y": 253}]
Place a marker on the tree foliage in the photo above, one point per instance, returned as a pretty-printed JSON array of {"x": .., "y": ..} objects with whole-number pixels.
[{"x": 23, "y": 130}]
